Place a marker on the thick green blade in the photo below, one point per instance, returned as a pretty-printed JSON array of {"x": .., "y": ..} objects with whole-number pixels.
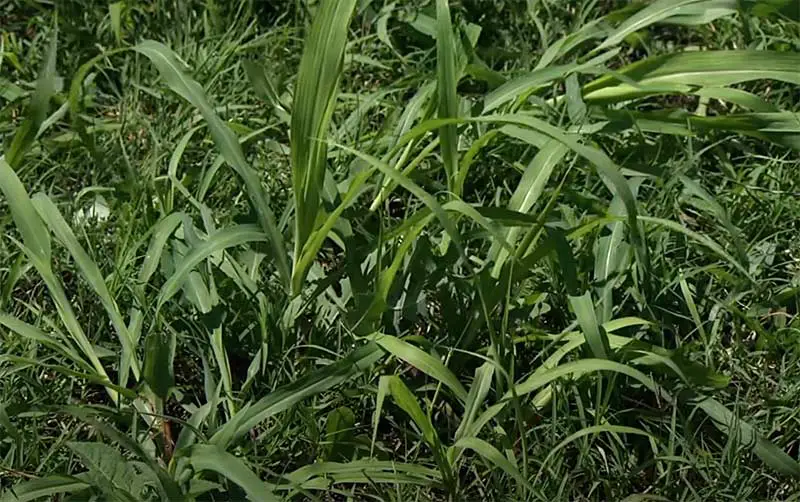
[
  {"x": 36, "y": 489},
  {"x": 423, "y": 361},
  {"x": 223, "y": 239},
  {"x": 596, "y": 337},
  {"x": 653, "y": 13},
  {"x": 447, "y": 80},
  {"x": 314, "y": 102},
  {"x": 684, "y": 72},
  {"x": 212, "y": 458},
  {"x": 36, "y": 112}
]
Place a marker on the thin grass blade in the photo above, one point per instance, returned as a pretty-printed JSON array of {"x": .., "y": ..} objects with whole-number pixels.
[{"x": 226, "y": 141}]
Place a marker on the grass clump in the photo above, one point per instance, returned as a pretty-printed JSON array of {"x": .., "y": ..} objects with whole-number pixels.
[{"x": 343, "y": 250}]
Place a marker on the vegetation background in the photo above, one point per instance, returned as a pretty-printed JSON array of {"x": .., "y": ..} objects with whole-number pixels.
[{"x": 399, "y": 250}]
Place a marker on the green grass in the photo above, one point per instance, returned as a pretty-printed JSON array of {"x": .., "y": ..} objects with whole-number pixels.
[{"x": 343, "y": 250}]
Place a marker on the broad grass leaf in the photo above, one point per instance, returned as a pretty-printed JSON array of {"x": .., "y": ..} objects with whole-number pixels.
[
  {"x": 704, "y": 12},
  {"x": 699, "y": 238},
  {"x": 161, "y": 233},
  {"x": 37, "y": 489},
  {"x": 611, "y": 256},
  {"x": 684, "y": 72},
  {"x": 288, "y": 395},
  {"x": 70, "y": 372},
  {"x": 593, "y": 431},
  {"x": 653, "y": 13},
  {"x": 481, "y": 385},
  {"x": 447, "y": 80},
  {"x": 167, "y": 488},
  {"x": 576, "y": 108},
  {"x": 738, "y": 97},
  {"x": 318, "y": 237},
  {"x": 159, "y": 353},
  {"x": 609, "y": 171},
  {"x": 703, "y": 201},
  {"x": 494, "y": 458},
  {"x": 222, "y": 239},
  {"x": 477, "y": 215},
  {"x": 366, "y": 471},
  {"x": 426, "y": 363},
  {"x": 34, "y": 234},
  {"x": 257, "y": 75},
  {"x": 215, "y": 459},
  {"x": 575, "y": 369},
  {"x": 339, "y": 433},
  {"x": 524, "y": 85},
  {"x": 405, "y": 399},
  {"x": 115, "y": 11},
  {"x": 109, "y": 471},
  {"x": 416, "y": 190},
  {"x": 314, "y": 102},
  {"x": 527, "y": 193},
  {"x": 380, "y": 397},
  {"x": 782, "y": 128},
  {"x": 563, "y": 46},
  {"x": 33, "y": 333},
  {"x": 36, "y": 247},
  {"x": 747, "y": 436},
  {"x": 595, "y": 336},
  {"x": 226, "y": 141},
  {"x": 36, "y": 112}
]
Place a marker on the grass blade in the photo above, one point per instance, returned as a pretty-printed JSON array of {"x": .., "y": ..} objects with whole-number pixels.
[
  {"x": 366, "y": 471},
  {"x": 424, "y": 362},
  {"x": 416, "y": 190},
  {"x": 213, "y": 458},
  {"x": 527, "y": 193},
  {"x": 288, "y": 395},
  {"x": 447, "y": 80},
  {"x": 595, "y": 336},
  {"x": 226, "y": 141},
  {"x": 684, "y": 72},
  {"x": 34, "y": 233},
  {"x": 314, "y": 102},
  {"x": 494, "y": 457},
  {"x": 651, "y": 14},
  {"x": 477, "y": 394},
  {"x": 90, "y": 271},
  {"x": 700, "y": 238},
  {"x": 525, "y": 84},
  {"x": 590, "y": 431},
  {"x": 222, "y": 239},
  {"x": 50, "y": 486},
  {"x": 728, "y": 423},
  {"x": 404, "y": 398},
  {"x": 38, "y": 107}
]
